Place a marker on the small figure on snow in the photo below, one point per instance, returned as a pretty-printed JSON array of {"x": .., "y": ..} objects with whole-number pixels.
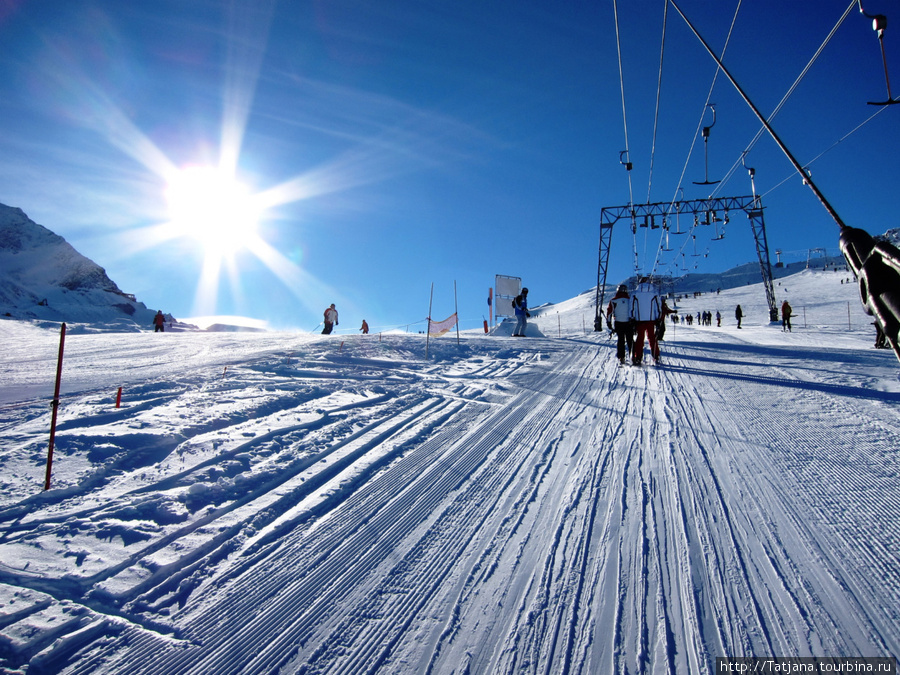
[
  {"x": 364, "y": 328},
  {"x": 160, "y": 322},
  {"x": 786, "y": 314},
  {"x": 331, "y": 320},
  {"x": 618, "y": 316},
  {"x": 520, "y": 305},
  {"x": 738, "y": 314}
]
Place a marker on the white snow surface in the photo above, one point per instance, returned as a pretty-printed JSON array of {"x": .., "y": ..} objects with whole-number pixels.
[{"x": 286, "y": 503}]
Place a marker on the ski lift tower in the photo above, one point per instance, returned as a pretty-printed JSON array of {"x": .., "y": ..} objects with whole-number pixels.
[
  {"x": 751, "y": 205},
  {"x": 811, "y": 253}
]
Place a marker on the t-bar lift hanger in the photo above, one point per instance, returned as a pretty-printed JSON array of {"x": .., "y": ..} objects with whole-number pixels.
[
  {"x": 706, "y": 130},
  {"x": 879, "y": 23}
]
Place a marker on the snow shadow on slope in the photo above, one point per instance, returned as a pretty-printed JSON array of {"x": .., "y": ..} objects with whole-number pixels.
[{"x": 805, "y": 385}]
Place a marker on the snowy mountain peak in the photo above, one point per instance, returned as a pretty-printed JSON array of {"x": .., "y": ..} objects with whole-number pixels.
[{"x": 42, "y": 277}]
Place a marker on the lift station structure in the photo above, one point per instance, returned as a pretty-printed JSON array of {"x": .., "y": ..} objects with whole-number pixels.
[{"x": 708, "y": 209}]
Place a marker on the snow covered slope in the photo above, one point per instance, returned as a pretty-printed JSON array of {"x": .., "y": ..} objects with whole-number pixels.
[
  {"x": 267, "y": 502},
  {"x": 43, "y": 278}
]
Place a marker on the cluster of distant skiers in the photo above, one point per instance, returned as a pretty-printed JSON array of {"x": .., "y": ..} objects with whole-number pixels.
[
  {"x": 703, "y": 319},
  {"x": 632, "y": 317},
  {"x": 643, "y": 313}
]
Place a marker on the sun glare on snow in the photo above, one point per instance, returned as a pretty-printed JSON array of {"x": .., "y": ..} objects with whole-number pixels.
[{"x": 214, "y": 208}]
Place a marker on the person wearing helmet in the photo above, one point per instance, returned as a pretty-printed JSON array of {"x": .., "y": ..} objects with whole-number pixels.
[
  {"x": 520, "y": 305},
  {"x": 618, "y": 317}
]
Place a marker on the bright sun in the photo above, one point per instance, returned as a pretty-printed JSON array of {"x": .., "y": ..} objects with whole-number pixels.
[{"x": 214, "y": 208}]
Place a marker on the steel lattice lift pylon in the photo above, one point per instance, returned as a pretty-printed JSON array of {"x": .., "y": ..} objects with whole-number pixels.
[{"x": 751, "y": 205}]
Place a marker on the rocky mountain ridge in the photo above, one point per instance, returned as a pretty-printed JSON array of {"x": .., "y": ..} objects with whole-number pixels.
[{"x": 44, "y": 279}]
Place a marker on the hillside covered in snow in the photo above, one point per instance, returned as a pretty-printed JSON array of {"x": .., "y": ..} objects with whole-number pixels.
[
  {"x": 44, "y": 279},
  {"x": 286, "y": 503}
]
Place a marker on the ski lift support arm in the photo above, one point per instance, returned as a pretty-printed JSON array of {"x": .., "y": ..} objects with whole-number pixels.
[{"x": 875, "y": 264}]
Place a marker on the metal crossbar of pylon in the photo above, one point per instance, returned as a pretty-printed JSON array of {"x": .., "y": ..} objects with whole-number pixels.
[
  {"x": 750, "y": 205},
  {"x": 602, "y": 265}
]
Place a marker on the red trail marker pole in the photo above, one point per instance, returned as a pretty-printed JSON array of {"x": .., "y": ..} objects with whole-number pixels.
[
  {"x": 55, "y": 404},
  {"x": 119, "y": 398}
]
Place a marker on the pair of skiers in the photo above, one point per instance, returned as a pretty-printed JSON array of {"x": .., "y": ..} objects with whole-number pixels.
[
  {"x": 638, "y": 315},
  {"x": 331, "y": 320}
]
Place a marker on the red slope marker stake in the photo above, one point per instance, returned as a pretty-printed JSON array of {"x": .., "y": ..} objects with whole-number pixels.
[{"x": 55, "y": 404}]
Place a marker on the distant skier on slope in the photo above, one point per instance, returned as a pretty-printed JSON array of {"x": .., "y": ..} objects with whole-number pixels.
[
  {"x": 738, "y": 314},
  {"x": 520, "y": 305},
  {"x": 331, "y": 320},
  {"x": 618, "y": 314},
  {"x": 160, "y": 322},
  {"x": 645, "y": 308}
]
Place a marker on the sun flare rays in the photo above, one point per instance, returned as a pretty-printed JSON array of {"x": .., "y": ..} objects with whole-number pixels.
[{"x": 195, "y": 189}]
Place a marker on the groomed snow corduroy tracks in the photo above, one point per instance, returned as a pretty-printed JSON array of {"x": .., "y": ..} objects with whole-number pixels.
[{"x": 509, "y": 506}]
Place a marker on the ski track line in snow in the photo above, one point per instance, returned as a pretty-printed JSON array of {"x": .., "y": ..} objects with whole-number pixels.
[
  {"x": 441, "y": 480},
  {"x": 541, "y": 511},
  {"x": 791, "y": 438},
  {"x": 441, "y": 476}
]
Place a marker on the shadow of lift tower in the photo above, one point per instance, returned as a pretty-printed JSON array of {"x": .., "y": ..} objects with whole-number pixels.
[{"x": 751, "y": 205}]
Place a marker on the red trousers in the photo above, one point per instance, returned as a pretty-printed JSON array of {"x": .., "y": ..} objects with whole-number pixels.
[{"x": 647, "y": 328}]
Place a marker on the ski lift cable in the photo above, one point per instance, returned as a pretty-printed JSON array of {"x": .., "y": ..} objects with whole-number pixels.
[
  {"x": 626, "y": 152},
  {"x": 662, "y": 49},
  {"x": 790, "y": 91},
  {"x": 828, "y": 149},
  {"x": 775, "y": 137},
  {"x": 706, "y": 104},
  {"x": 622, "y": 91}
]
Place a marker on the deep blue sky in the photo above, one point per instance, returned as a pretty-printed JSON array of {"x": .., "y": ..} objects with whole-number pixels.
[{"x": 411, "y": 143}]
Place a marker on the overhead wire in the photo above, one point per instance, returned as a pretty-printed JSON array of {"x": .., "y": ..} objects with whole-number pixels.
[
  {"x": 625, "y": 123},
  {"x": 790, "y": 91},
  {"x": 750, "y": 145},
  {"x": 684, "y": 168},
  {"x": 662, "y": 49},
  {"x": 859, "y": 126}
]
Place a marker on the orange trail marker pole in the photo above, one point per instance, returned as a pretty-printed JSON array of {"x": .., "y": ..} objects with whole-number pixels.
[{"x": 55, "y": 405}]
